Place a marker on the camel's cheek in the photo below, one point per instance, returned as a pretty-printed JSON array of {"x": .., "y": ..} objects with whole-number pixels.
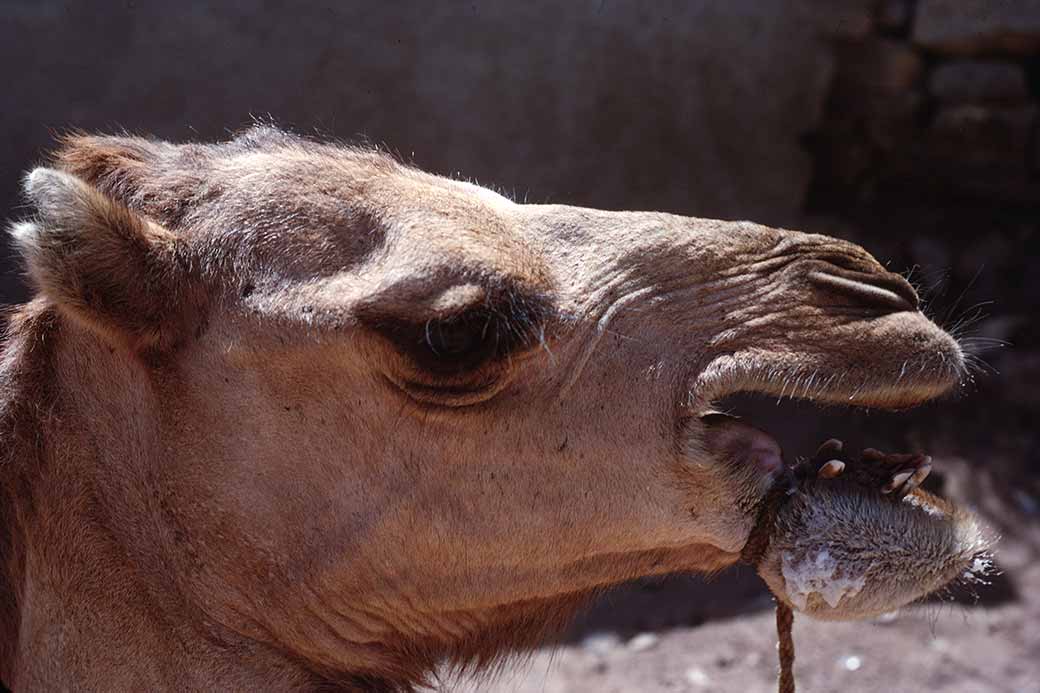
[
  {"x": 729, "y": 468},
  {"x": 724, "y": 499},
  {"x": 766, "y": 460},
  {"x": 751, "y": 458}
]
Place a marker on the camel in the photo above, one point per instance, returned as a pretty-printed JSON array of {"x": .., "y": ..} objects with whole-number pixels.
[{"x": 289, "y": 415}]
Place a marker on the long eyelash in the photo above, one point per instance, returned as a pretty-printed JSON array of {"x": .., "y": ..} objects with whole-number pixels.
[
  {"x": 506, "y": 322},
  {"x": 426, "y": 334}
]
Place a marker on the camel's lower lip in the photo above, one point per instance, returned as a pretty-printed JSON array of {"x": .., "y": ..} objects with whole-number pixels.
[
  {"x": 893, "y": 396},
  {"x": 895, "y": 360}
]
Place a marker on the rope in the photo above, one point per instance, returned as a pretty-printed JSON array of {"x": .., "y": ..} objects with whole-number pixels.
[
  {"x": 785, "y": 648},
  {"x": 754, "y": 550},
  {"x": 758, "y": 540}
]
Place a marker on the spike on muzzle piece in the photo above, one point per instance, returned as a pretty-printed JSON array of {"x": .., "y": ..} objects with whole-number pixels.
[{"x": 831, "y": 469}]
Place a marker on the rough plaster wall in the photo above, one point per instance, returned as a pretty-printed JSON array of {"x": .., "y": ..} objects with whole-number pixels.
[{"x": 691, "y": 107}]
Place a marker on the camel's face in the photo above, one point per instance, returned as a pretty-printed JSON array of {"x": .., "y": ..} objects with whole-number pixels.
[{"x": 393, "y": 402}]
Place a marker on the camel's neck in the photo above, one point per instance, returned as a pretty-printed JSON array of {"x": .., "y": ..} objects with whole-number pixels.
[
  {"x": 88, "y": 601},
  {"x": 25, "y": 397}
]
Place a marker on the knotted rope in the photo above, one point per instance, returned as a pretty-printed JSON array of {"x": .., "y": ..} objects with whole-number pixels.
[{"x": 754, "y": 550}]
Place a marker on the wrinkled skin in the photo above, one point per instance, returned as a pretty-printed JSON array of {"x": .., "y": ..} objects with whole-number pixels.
[{"x": 302, "y": 416}]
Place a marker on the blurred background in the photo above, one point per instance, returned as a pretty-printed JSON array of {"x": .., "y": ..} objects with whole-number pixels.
[{"x": 910, "y": 127}]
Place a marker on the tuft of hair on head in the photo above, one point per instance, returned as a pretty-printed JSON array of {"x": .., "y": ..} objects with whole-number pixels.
[
  {"x": 106, "y": 266},
  {"x": 114, "y": 164}
]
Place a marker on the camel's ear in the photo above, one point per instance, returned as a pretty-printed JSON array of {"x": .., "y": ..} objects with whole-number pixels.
[
  {"x": 110, "y": 163},
  {"x": 107, "y": 266},
  {"x": 152, "y": 177}
]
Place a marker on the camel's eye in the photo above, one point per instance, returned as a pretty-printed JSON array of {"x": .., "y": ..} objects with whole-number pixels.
[
  {"x": 459, "y": 344},
  {"x": 463, "y": 353}
]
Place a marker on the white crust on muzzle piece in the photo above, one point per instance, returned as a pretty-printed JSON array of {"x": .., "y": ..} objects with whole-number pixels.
[
  {"x": 817, "y": 574},
  {"x": 841, "y": 554}
]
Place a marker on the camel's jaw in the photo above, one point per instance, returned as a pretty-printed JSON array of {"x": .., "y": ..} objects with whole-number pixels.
[{"x": 894, "y": 361}]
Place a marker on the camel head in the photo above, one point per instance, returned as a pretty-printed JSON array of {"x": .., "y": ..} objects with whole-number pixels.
[{"x": 357, "y": 418}]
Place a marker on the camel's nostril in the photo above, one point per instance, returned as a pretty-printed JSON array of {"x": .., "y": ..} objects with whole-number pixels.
[
  {"x": 904, "y": 289},
  {"x": 887, "y": 291}
]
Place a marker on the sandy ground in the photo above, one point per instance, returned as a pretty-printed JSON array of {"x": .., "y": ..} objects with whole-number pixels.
[
  {"x": 684, "y": 634},
  {"x": 930, "y": 648},
  {"x": 951, "y": 650}
]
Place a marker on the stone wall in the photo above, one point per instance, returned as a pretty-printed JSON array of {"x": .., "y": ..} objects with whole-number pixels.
[
  {"x": 939, "y": 98},
  {"x": 928, "y": 152}
]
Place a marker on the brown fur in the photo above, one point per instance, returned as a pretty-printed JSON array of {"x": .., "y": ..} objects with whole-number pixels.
[{"x": 287, "y": 415}]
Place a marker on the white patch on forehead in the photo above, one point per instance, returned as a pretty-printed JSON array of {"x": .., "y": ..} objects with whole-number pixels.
[
  {"x": 817, "y": 574},
  {"x": 457, "y": 297}
]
